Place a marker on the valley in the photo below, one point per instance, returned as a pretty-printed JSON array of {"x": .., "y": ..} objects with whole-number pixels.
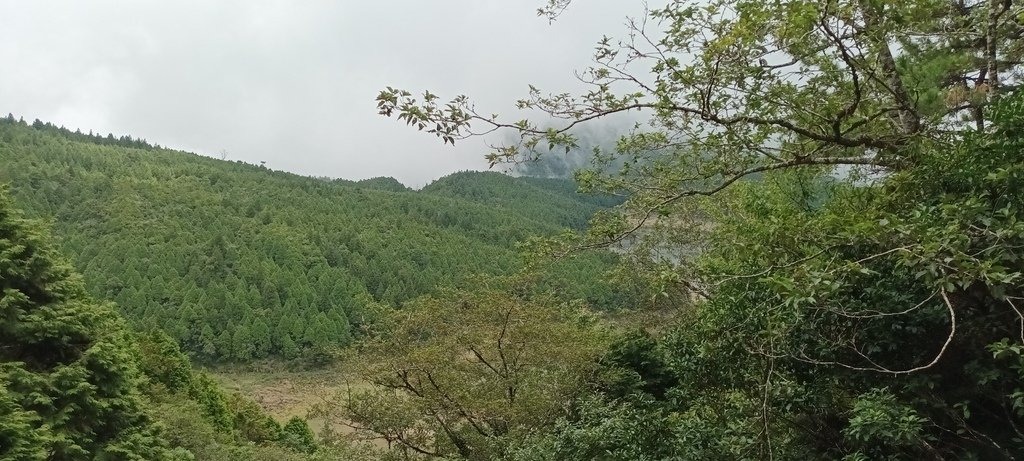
[{"x": 784, "y": 230}]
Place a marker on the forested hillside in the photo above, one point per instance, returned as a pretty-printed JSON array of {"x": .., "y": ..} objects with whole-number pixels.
[
  {"x": 548, "y": 200},
  {"x": 238, "y": 262},
  {"x": 818, "y": 255},
  {"x": 52, "y": 333},
  {"x": 77, "y": 383}
]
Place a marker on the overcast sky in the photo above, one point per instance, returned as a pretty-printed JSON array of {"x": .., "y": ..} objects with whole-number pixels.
[{"x": 289, "y": 83}]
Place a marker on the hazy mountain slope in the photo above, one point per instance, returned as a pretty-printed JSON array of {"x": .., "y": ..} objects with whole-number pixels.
[{"x": 549, "y": 200}]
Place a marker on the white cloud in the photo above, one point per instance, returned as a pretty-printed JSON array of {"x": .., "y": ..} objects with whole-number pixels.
[{"x": 290, "y": 83}]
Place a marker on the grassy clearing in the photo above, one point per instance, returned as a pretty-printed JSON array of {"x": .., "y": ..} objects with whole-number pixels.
[{"x": 284, "y": 393}]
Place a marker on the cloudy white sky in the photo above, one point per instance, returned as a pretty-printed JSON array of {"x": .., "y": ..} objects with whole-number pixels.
[{"x": 290, "y": 83}]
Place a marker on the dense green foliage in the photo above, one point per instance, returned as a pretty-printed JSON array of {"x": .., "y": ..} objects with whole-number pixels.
[
  {"x": 70, "y": 382},
  {"x": 831, "y": 191},
  {"x": 239, "y": 262},
  {"x": 548, "y": 200},
  {"x": 78, "y": 384},
  {"x": 466, "y": 388},
  {"x": 896, "y": 335},
  {"x": 830, "y": 195},
  {"x": 202, "y": 419},
  {"x": 297, "y": 435}
]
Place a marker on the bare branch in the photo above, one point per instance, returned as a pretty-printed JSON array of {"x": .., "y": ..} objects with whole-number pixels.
[
  {"x": 722, "y": 185},
  {"x": 880, "y": 369}
]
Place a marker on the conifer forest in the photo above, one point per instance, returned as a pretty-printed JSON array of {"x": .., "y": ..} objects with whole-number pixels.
[{"x": 755, "y": 230}]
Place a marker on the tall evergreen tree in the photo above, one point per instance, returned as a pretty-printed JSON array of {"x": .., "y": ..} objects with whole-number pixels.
[{"x": 68, "y": 380}]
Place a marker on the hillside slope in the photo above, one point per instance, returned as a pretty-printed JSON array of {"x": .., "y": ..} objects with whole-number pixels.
[
  {"x": 238, "y": 262},
  {"x": 552, "y": 201}
]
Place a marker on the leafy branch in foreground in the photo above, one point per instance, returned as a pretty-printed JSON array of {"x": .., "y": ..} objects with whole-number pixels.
[
  {"x": 738, "y": 88},
  {"x": 443, "y": 388},
  {"x": 852, "y": 179}
]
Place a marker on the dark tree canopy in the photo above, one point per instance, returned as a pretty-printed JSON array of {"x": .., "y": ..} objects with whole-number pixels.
[{"x": 70, "y": 382}]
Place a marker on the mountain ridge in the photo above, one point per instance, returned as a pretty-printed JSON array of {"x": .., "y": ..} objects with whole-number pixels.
[{"x": 240, "y": 262}]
